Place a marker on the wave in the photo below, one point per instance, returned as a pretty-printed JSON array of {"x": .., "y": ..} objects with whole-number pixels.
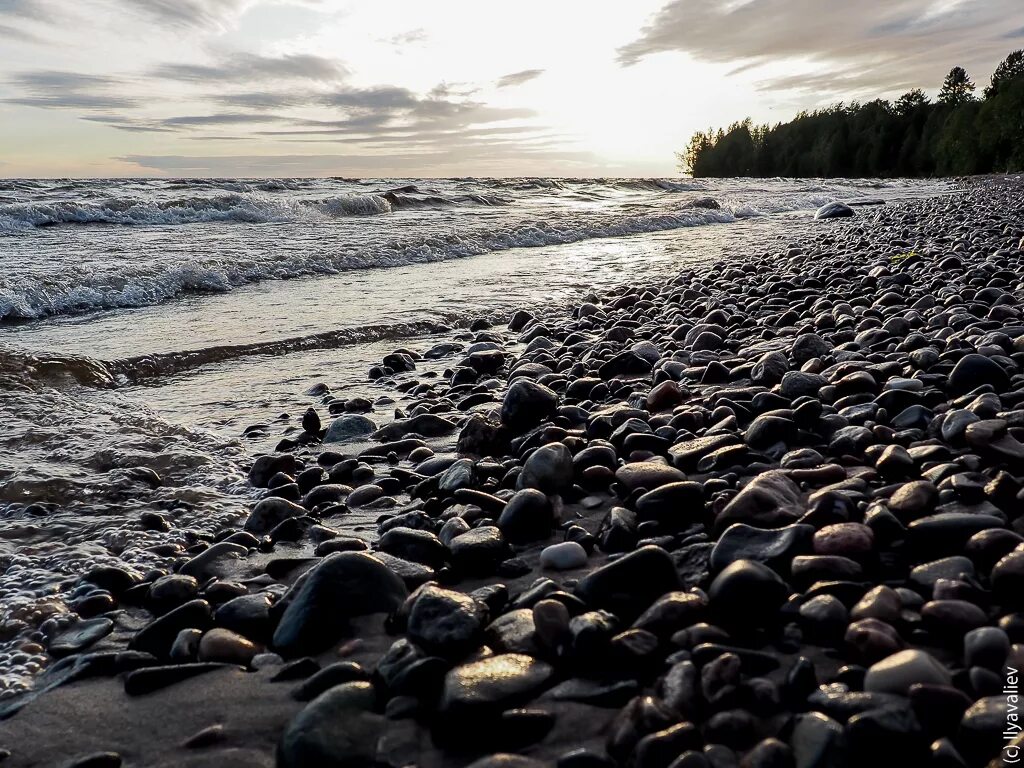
[
  {"x": 243, "y": 206},
  {"x": 21, "y": 369},
  {"x": 142, "y": 284},
  {"x": 25, "y": 369},
  {"x": 233, "y": 207}
]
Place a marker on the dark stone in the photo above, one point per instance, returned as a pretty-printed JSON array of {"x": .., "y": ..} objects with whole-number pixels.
[
  {"x": 629, "y": 585},
  {"x": 158, "y": 636},
  {"x": 149, "y": 679},
  {"x": 747, "y": 593},
  {"x": 445, "y": 623},
  {"x": 972, "y": 371},
  {"x": 319, "y": 604},
  {"x": 774, "y": 548}
]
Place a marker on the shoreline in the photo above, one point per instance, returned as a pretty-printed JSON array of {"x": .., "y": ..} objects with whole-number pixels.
[{"x": 697, "y": 386}]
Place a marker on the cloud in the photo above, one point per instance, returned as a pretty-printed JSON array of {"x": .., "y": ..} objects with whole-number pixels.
[
  {"x": 20, "y": 12},
  {"x": 411, "y": 37},
  {"x": 884, "y": 44},
  {"x": 193, "y": 14},
  {"x": 190, "y": 13},
  {"x": 70, "y": 90},
  {"x": 518, "y": 78},
  {"x": 249, "y": 67},
  {"x": 25, "y": 9}
]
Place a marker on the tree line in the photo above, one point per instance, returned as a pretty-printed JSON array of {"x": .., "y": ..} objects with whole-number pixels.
[{"x": 958, "y": 134}]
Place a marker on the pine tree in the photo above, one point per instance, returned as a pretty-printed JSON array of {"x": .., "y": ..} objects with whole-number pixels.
[
  {"x": 910, "y": 101},
  {"x": 958, "y": 88},
  {"x": 1009, "y": 69}
]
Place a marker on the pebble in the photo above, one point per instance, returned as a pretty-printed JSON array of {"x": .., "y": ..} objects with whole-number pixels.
[
  {"x": 563, "y": 556},
  {"x": 897, "y": 673},
  {"x": 226, "y": 646}
]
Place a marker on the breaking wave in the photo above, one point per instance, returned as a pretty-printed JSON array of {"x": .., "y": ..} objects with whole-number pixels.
[{"x": 142, "y": 284}]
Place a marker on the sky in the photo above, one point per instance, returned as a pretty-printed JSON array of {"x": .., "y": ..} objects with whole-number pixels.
[{"x": 421, "y": 88}]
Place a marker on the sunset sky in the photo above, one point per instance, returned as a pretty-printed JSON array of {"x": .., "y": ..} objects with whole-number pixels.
[{"x": 447, "y": 87}]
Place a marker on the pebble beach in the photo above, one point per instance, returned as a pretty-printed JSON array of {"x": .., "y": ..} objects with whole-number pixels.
[{"x": 761, "y": 513}]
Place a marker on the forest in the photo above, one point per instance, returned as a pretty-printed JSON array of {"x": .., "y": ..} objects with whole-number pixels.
[{"x": 959, "y": 134}]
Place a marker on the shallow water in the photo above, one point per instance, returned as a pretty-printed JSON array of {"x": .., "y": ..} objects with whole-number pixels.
[{"x": 154, "y": 327}]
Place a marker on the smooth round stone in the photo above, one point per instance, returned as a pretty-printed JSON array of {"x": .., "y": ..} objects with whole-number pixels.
[
  {"x": 495, "y": 682},
  {"x": 971, "y": 371},
  {"x": 185, "y": 647},
  {"x": 415, "y": 545},
  {"x": 479, "y": 550},
  {"x": 526, "y": 404},
  {"x": 551, "y": 623},
  {"x": 914, "y": 499},
  {"x": 627, "y": 586},
  {"x": 873, "y": 639},
  {"x": 671, "y": 613},
  {"x": 445, "y": 623},
  {"x": 986, "y": 647},
  {"x": 815, "y": 740},
  {"x": 224, "y": 645},
  {"x": 648, "y": 475},
  {"x": 947, "y": 533},
  {"x": 879, "y": 602},
  {"x": 351, "y": 426},
  {"x": 898, "y": 672},
  {"x": 364, "y": 494},
  {"x": 925, "y": 575},
  {"x": 952, "y": 618},
  {"x": 526, "y": 517},
  {"x": 824, "y": 616},
  {"x": 852, "y": 540},
  {"x": 673, "y": 504},
  {"x": 1008, "y": 580},
  {"x": 563, "y": 556},
  {"x": 269, "y": 513},
  {"x": 338, "y": 729},
  {"x": 266, "y": 661},
  {"x": 747, "y": 592},
  {"x": 988, "y": 547},
  {"x": 342, "y": 586},
  {"x": 548, "y": 469},
  {"x": 802, "y": 458}
]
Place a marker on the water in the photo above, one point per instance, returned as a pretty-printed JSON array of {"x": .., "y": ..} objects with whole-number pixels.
[{"x": 144, "y": 324}]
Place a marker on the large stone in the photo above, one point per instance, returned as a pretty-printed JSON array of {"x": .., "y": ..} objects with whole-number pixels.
[
  {"x": 774, "y": 548},
  {"x": 527, "y": 404},
  {"x": 674, "y": 505},
  {"x": 351, "y": 426},
  {"x": 647, "y": 475},
  {"x": 526, "y": 517},
  {"x": 770, "y": 500},
  {"x": 808, "y": 346},
  {"x": 835, "y": 210},
  {"x": 445, "y": 623},
  {"x": 319, "y": 605},
  {"x": 493, "y": 684},
  {"x": 270, "y": 513},
  {"x": 627, "y": 586},
  {"x": 972, "y": 371},
  {"x": 338, "y": 729},
  {"x": 896, "y": 673},
  {"x": 548, "y": 469},
  {"x": 747, "y": 593}
]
